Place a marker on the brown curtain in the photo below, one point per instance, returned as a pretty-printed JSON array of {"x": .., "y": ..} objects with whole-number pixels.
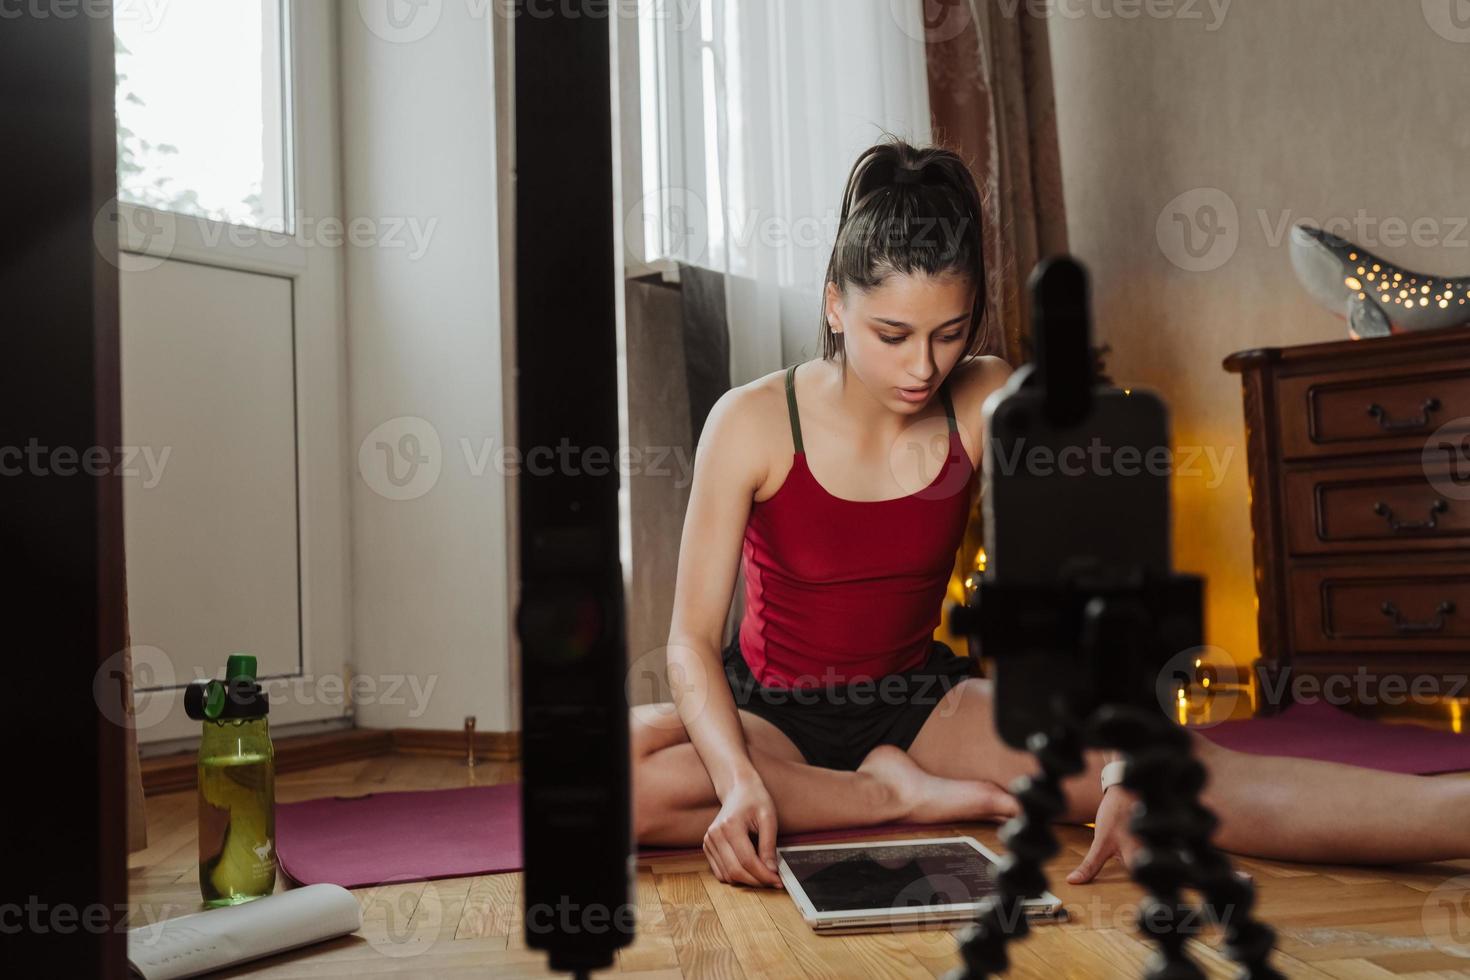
[{"x": 992, "y": 100}]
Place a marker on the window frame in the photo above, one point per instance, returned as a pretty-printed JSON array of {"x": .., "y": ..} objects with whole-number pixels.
[{"x": 147, "y": 235}]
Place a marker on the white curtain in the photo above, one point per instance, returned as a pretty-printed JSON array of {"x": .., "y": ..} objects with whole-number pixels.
[{"x": 775, "y": 101}]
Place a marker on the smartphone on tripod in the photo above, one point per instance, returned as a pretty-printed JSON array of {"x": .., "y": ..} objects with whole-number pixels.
[{"x": 1075, "y": 489}]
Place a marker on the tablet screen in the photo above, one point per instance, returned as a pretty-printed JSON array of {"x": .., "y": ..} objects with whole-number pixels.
[{"x": 893, "y": 876}]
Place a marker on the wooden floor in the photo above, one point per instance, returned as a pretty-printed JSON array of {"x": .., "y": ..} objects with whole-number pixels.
[{"x": 1332, "y": 921}]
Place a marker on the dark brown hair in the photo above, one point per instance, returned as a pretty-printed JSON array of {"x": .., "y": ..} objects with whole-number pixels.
[{"x": 907, "y": 210}]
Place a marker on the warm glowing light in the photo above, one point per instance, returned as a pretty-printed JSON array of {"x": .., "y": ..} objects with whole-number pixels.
[
  {"x": 1353, "y": 283},
  {"x": 1457, "y": 717}
]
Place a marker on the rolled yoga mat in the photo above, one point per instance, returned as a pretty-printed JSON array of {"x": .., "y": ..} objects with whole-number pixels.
[{"x": 387, "y": 837}]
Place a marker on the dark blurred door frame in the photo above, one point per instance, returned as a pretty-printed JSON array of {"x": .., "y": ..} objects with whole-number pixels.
[{"x": 61, "y": 509}]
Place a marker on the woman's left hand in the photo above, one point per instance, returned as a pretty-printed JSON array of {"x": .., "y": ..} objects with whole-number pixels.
[{"x": 1111, "y": 837}]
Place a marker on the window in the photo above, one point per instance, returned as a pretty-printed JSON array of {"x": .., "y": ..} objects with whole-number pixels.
[
  {"x": 752, "y": 113},
  {"x": 202, "y": 119},
  {"x": 681, "y": 212}
]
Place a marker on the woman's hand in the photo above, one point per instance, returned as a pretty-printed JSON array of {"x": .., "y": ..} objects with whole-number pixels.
[
  {"x": 1111, "y": 837},
  {"x": 745, "y": 809}
]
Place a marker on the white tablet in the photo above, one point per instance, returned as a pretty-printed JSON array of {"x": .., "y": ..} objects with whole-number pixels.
[{"x": 923, "y": 883}]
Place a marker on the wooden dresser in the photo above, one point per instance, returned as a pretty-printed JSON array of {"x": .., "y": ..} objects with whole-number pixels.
[{"x": 1359, "y": 466}]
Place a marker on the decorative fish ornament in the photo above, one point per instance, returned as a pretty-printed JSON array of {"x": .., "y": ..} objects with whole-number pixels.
[{"x": 1376, "y": 297}]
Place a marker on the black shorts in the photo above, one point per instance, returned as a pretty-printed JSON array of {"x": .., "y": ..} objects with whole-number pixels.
[{"x": 836, "y": 727}]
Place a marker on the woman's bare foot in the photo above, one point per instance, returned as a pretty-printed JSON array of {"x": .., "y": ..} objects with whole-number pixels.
[{"x": 928, "y": 798}]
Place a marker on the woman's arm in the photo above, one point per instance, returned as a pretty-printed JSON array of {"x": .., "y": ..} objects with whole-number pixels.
[{"x": 730, "y": 464}]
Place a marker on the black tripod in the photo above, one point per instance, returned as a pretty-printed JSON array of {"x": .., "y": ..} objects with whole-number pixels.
[{"x": 1055, "y": 698}]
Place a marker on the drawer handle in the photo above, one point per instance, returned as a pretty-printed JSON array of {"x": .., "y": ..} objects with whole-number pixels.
[
  {"x": 1433, "y": 626},
  {"x": 1435, "y": 509},
  {"x": 1380, "y": 413}
]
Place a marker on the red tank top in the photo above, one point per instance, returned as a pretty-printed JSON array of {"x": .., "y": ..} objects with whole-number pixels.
[{"x": 838, "y": 590}]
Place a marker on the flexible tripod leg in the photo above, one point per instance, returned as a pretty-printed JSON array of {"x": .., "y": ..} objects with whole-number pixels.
[
  {"x": 1175, "y": 830},
  {"x": 1030, "y": 842},
  {"x": 1228, "y": 898}
]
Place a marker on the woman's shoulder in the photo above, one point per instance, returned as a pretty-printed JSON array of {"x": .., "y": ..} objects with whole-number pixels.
[
  {"x": 972, "y": 381},
  {"x": 985, "y": 371},
  {"x": 740, "y": 426},
  {"x": 749, "y": 409}
]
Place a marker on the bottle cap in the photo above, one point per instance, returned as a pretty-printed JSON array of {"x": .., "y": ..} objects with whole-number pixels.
[
  {"x": 237, "y": 696},
  {"x": 240, "y": 666}
]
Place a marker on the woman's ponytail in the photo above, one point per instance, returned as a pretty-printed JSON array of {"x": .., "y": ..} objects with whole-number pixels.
[{"x": 908, "y": 210}]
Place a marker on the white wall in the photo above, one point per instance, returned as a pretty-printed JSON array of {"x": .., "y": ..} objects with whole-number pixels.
[{"x": 430, "y": 571}]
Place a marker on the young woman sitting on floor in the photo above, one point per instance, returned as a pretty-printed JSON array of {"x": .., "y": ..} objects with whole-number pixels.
[{"x": 835, "y": 707}]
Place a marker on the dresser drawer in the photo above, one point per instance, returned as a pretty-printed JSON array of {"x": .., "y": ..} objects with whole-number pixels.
[
  {"x": 1371, "y": 410},
  {"x": 1405, "y": 506},
  {"x": 1418, "y": 607}
]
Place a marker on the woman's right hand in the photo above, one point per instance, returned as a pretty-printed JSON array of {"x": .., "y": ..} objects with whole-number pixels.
[{"x": 747, "y": 808}]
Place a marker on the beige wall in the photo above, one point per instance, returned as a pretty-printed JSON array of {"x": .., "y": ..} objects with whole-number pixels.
[
  {"x": 1290, "y": 110},
  {"x": 431, "y": 556}
]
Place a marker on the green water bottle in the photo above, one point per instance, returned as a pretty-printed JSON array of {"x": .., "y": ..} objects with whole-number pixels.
[{"x": 237, "y": 786}]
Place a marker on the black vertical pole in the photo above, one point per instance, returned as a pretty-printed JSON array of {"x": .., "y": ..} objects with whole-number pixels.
[
  {"x": 60, "y": 508},
  {"x": 575, "y": 748}
]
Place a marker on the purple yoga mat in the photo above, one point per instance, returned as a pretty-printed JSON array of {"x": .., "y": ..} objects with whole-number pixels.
[
  {"x": 355, "y": 841},
  {"x": 1317, "y": 730},
  {"x": 446, "y": 833},
  {"x": 395, "y": 837}
]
